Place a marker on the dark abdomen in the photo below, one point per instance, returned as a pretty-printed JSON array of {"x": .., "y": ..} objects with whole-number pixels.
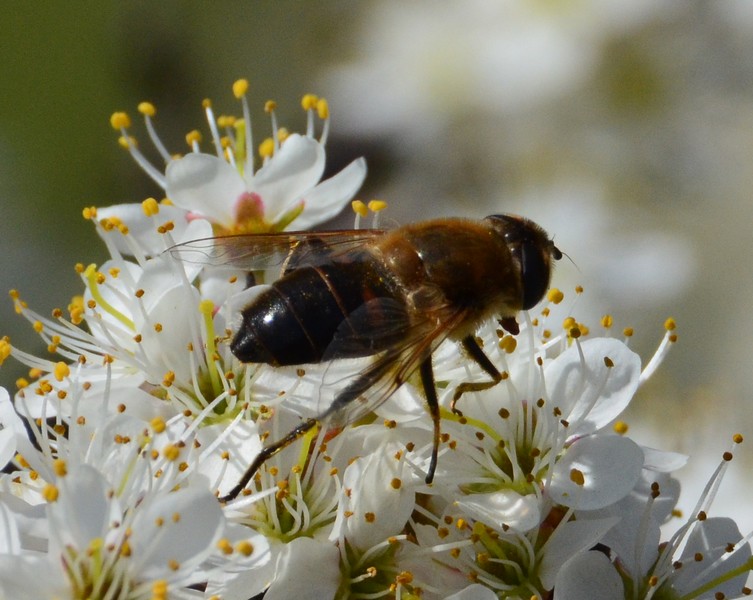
[{"x": 337, "y": 310}]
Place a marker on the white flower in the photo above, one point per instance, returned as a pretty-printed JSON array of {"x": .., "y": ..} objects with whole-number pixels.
[
  {"x": 512, "y": 564},
  {"x": 227, "y": 189},
  {"x": 97, "y": 543},
  {"x": 362, "y": 555},
  {"x": 539, "y": 436},
  {"x": 705, "y": 556}
]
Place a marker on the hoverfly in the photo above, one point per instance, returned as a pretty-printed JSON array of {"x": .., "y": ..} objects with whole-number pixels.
[{"x": 391, "y": 295}]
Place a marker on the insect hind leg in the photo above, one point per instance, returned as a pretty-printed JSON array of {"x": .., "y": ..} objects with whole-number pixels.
[{"x": 479, "y": 356}]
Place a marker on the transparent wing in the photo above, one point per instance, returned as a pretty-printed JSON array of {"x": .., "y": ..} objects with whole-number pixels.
[
  {"x": 254, "y": 251},
  {"x": 407, "y": 347}
]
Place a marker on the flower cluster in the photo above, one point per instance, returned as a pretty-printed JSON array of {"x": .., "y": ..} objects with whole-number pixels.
[{"x": 118, "y": 444}]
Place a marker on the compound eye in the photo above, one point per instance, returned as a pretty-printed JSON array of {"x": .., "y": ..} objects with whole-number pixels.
[{"x": 535, "y": 271}]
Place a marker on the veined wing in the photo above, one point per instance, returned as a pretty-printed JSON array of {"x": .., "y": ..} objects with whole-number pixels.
[
  {"x": 392, "y": 367},
  {"x": 255, "y": 251}
]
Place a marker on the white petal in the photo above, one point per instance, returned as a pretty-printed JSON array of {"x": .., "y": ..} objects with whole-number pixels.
[
  {"x": 9, "y": 539},
  {"x": 166, "y": 350},
  {"x": 369, "y": 481},
  {"x": 205, "y": 184},
  {"x": 141, "y": 228},
  {"x": 329, "y": 198},
  {"x": 82, "y": 512},
  {"x": 293, "y": 171},
  {"x": 610, "y": 464},
  {"x": 307, "y": 569},
  {"x": 243, "y": 443},
  {"x": 191, "y": 523},
  {"x": 32, "y": 577},
  {"x": 711, "y": 538},
  {"x": 663, "y": 461},
  {"x": 568, "y": 540},
  {"x": 591, "y": 397},
  {"x": 588, "y": 575},
  {"x": 11, "y": 428},
  {"x": 503, "y": 508},
  {"x": 474, "y": 591}
]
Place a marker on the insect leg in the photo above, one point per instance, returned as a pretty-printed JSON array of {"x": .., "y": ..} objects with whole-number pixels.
[
  {"x": 430, "y": 391},
  {"x": 266, "y": 453},
  {"x": 477, "y": 354}
]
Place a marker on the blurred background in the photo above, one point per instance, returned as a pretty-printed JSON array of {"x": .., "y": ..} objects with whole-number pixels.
[{"x": 624, "y": 128}]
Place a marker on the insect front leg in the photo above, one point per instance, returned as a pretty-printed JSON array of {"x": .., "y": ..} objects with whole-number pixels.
[
  {"x": 266, "y": 453},
  {"x": 477, "y": 354}
]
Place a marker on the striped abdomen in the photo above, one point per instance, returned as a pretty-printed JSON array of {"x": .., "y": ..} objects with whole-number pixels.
[{"x": 336, "y": 310}]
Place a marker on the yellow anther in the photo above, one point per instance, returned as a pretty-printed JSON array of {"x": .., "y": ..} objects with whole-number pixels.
[
  {"x": 50, "y": 493},
  {"x": 171, "y": 452},
  {"x": 165, "y": 227},
  {"x": 61, "y": 371},
  {"x": 670, "y": 324},
  {"x": 38, "y": 326},
  {"x": 90, "y": 212},
  {"x": 396, "y": 483},
  {"x": 126, "y": 142},
  {"x": 578, "y": 289},
  {"x": 359, "y": 208},
  {"x": 620, "y": 427},
  {"x": 270, "y": 106},
  {"x": 193, "y": 137},
  {"x": 282, "y": 134},
  {"x": 120, "y": 120},
  {"x": 508, "y": 344},
  {"x": 245, "y": 548},
  {"x": 569, "y": 323},
  {"x": 309, "y": 101},
  {"x": 606, "y": 321},
  {"x": 159, "y": 589},
  {"x": 150, "y": 207},
  {"x": 577, "y": 477},
  {"x": 59, "y": 467},
  {"x": 404, "y": 578},
  {"x": 627, "y": 332},
  {"x": 147, "y": 109},
  {"x": 158, "y": 424},
  {"x": 224, "y": 546},
  {"x": 377, "y": 205},
  {"x": 322, "y": 108},
  {"x": 240, "y": 88},
  {"x": 168, "y": 379},
  {"x": 5, "y": 349},
  {"x": 737, "y": 438},
  {"x": 206, "y": 103},
  {"x": 21, "y": 382},
  {"x": 267, "y": 148},
  {"x": 555, "y": 296}
]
